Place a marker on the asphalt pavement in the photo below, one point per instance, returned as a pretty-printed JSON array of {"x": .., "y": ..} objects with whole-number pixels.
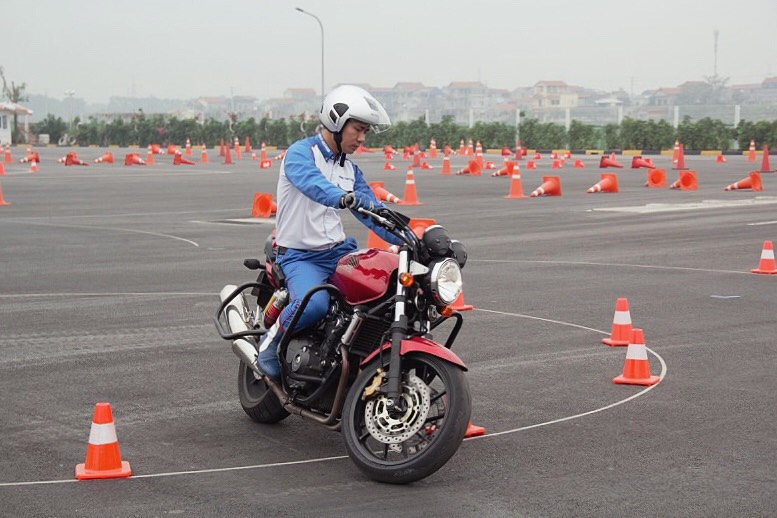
[{"x": 109, "y": 277}]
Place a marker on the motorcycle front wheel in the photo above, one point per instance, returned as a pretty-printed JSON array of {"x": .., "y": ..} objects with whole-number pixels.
[
  {"x": 258, "y": 401},
  {"x": 405, "y": 448}
]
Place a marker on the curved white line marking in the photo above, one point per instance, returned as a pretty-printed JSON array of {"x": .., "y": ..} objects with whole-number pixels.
[
  {"x": 91, "y": 227},
  {"x": 339, "y": 457},
  {"x": 586, "y": 263},
  {"x": 109, "y": 294}
]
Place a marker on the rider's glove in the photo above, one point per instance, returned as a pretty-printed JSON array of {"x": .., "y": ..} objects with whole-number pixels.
[{"x": 356, "y": 200}]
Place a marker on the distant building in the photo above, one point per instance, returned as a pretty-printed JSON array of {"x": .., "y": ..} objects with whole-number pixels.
[{"x": 7, "y": 112}]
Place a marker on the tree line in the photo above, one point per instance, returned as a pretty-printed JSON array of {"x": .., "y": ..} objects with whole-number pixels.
[{"x": 143, "y": 130}]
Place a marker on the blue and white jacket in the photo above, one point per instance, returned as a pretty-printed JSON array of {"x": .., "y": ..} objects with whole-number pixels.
[{"x": 310, "y": 185}]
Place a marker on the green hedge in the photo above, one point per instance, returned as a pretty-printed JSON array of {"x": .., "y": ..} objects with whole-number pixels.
[{"x": 630, "y": 134}]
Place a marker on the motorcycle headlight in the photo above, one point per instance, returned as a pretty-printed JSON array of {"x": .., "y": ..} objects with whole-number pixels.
[{"x": 445, "y": 282}]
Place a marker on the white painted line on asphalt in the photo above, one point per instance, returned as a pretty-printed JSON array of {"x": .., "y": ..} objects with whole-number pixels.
[
  {"x": 586, "y": 263},
  {"x": 651, "y": 208},
  {"x": 762, "y": 223},
  {"x": 340, "y": 457},
  {"x": 725, "y": 296},
  {"x": 110, "y": 294},
  {"x": 112, "y": 229}
]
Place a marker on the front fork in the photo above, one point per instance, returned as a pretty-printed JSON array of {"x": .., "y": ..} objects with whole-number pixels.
[{"x": 398, "y": 332}]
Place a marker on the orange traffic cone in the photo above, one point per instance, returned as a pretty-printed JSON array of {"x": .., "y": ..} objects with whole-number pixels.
[
  {"x": 382, "y": 194},
  {"x": 474, "y": 430},
  {"x": 133, "y": 159},
  {"x": 2, "y": 200},
  {"x": 222, "y": 148},
  {"x": 170, "y": 149},
  {"x": 720, "y": 159},
  {"x": 765, "y": 168},
  {"x": 8, "y": 159},
  {"x": 410, "y": 197},
  {"x": 516, "y": 187},
  {"x": 656, "y": 178},
  {"x": 621, "y": 325},
  {"x": 103, "y": 459},
  {"x": 236, "y": 144},
  {"x": 262, "y": 153},
  {"x": 107, "y": 157},
  {"x": 556, "y": 164},
  {"x": 767, "y": 264},
  {"x": 34, "y": 166},
  {"x": 473, "y": 168},
  {"x": 686, "y": 181},
  {"x": 751, "y": 152},
  {"x": 675, "y": 152},
  {"x": 416, "y": 160},
  {"x": 608, "y": 183},
  {"x": 227, "y": 155},
  {"x": 204, "y": 155},
  {"x": 2, "y": 169},
  {"x": 188, "y": 148},
  {"x": 636, "y": 370},
  {"x": 419, "y": 225},
  {"x": 518, "y": 150},
  {"x": 388, "y": 166},
  {"x": 247, "y": 146},
  {"x": 609, "y": 161},
  {"x": 264, "y": 206},
  {"x": 446, "y": 165},
  {"x": 551, "y": 186},
  {"x": 680, "y": 158},
  {"x": 150, "y": 156},
  {"x": 637, "y": 161},
  {"x": 578, "y": 164},
  {"x": 537, "y": 156},
  {"x": 530, "y": 164},
  {"x": 753, "y": 181},
  {"x": 265, "y": 164},
  {"x": 375, "y": 241},
  {"x": 459, "y": 305},
  {"x": 178, "y": 159}
]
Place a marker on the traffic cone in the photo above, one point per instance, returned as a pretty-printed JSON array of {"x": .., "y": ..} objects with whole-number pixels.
[
  {"x": 247, "y": 146},
  {"x": 178, "y": 159},
  {"x": 681, "y": 158},
  {"x": 636, "y": 369},
  {"x": 170, "y": 149},
  {"x": 767, "y": 264},
  {"x": 537, "y": 156},
  {"x": 282, "y": 154},
  {"x": 107, "y": 157},
  {"x": 262, "y": 153},
  {"x": 751, "y": 153},
  {"x": 419, "y": 225},
  {"x": 265, "y": 164},
  {"x": 686, "y": 181},
  {"x": 221, "y": 148},
  {"x": 621, "y": 325},
  {"x": 473, "y": 168},
  {"x": 516, "y": 187},
  {"x": 150, "y": 156},
  {"x": 227, "y": 155},
  {"x": 236, "y": 144},
  {"x": 753, "y": 181},
  {"x": 425, "y": 165},
  {"x": 416, "y": 160},
  {"x": 556, "y": 164},
  {"x": 133, "y": 159},
  {"x": 506, "y": 170},
  {"x": 204, "y": 155},
  {"x": 608, "y": 183},
  {"x": 551, "y": 186},
  {"x": 720, "y": 159},
  {"x": 474, "y": 430},
  {"x": 34, "y": 166},
  {"x": 518, "y": 150},
  {"x": 676, "y": 152},
  {"x": 264, "y": 206},
  {"x": 410, "y": 197},
  {"x": 2, "y": 200},
  {"x": 637, "y": 161},
  {"x": 8, "y": 158},
  {"x": 188, "y": 148},
  {"x": 253, "y": 155},
  {"x": 765, "y": 168},
  {"x": 156, "y": 149},
  {"x": 462, "y": 149},
  {"x": 2, "y": 169},
  {"x": 388, "y": 166},
  {"x": 375, "y": 241},
  {"x": 446, "y": 165},
  {"x": 459, "y": 305},
  {"x": 382, "y": 194},
  {"x": 578, "y": 164},
  {"x": 103, "y": 459},
  {"x": 609, "y": 161},
  {"x": 656, "y": 178},
  {"x": 530, "y": 164}
]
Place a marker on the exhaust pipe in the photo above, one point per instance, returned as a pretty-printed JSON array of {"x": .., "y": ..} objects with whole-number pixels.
[{"x": 237, "y": 315}]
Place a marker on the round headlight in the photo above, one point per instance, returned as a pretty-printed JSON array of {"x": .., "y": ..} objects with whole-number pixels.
[{"x": 445, "y": 281}]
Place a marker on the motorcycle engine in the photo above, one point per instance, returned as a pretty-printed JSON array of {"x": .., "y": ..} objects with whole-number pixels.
[{"x": 304, "y": 356}]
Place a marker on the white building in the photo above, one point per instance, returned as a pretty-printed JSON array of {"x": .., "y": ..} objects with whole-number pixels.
[{"x": 7, "y": 111}]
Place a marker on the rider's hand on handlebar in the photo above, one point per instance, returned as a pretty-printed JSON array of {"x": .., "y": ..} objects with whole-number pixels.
[{"x": 356, "y": 200}]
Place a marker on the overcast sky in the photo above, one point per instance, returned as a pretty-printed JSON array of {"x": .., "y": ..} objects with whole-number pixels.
[{"x": 184, "y": 49}]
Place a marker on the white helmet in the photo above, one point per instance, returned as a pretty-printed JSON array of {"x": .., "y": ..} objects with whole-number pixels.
[{"x": 351, "y": 102}]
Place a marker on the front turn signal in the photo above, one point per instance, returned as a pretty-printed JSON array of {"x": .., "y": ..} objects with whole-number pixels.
[{"x": 406, "y": 280}]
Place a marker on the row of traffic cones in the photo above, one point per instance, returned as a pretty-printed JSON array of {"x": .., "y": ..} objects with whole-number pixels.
[{"x": 636, "y": 369}]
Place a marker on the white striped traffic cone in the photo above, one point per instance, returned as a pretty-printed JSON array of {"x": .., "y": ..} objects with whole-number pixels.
[
  {"x": 636, "y": 369},
  {"x": 621, "y": 325},
  {"x": 103, "y": 459}
]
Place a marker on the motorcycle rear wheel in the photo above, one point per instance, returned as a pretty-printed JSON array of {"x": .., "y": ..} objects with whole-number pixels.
[
  {"x": 404, "y": 450},
  {"x": 257, "y": 400}
]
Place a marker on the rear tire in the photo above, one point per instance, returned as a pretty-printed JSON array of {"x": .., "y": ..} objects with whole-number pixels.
[{"x": 259, "y": 402}]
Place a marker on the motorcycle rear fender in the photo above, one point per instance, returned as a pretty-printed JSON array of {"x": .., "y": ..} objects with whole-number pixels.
[{"x": 421, "y": 345}]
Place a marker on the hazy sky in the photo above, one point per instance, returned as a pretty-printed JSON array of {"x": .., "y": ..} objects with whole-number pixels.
[{"x": 183, "y": 49}]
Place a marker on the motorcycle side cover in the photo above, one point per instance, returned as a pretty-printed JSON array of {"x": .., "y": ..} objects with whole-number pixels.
[{"x": 422, "y": 345}]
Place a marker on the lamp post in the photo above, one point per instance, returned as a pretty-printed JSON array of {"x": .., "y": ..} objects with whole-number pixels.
[
  {"x": 70, "y": 94},
  {"x": 322, "y": 48}
]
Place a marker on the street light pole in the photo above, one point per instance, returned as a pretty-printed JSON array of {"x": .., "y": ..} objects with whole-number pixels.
[
  {"x": 70, "y": 94},
  {"x": 322, "y": 49}
]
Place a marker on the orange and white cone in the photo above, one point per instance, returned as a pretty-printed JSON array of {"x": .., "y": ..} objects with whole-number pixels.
[
  {"x": 410, "y": 197},
  {"x": 379, "y": 189},
  {"x": 204, "y": 155},
  {"x": 551, "y": 186},
  {"x": 752, "y": 181},
  {"x": 103, "y": 459},
  {"x": 264, "y": 206},
  {"x": 767, "y": 264},
  {"x": 516, "y": 186},
  {"x": 2, "y": 200},
  {"x": 751, "y": 152},
  {"x": 621, "y": 325},
  {"x": 608, "y": 183},
  {"x": 474, "y": 430},
  {"x": 636, "y": 369}
]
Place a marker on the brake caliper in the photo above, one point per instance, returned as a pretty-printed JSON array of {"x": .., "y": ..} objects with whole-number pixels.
[{"x": 373, "y": 388}]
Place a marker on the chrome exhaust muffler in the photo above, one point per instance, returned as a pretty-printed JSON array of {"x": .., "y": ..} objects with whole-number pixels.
[{"x": 238, "y": 315}]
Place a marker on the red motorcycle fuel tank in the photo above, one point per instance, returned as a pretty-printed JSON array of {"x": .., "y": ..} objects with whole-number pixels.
[{"x": 364, "y": 275}]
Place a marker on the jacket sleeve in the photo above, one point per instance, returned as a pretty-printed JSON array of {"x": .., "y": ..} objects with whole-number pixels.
[
  {"x": 300, "y": 169},
  {"x": 360, "y": 185}
]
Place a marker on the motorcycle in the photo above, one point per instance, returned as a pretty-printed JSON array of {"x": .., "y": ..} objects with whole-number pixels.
[{"x": 370, "y": 368}]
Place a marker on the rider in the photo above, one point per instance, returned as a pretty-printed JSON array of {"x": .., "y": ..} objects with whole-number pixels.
[{"x": 317, "y": 180}]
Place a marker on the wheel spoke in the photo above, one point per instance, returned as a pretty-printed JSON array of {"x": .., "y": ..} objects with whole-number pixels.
[
  {"x": 385, "y": 451},
  {"x": 438, "y": 396}
]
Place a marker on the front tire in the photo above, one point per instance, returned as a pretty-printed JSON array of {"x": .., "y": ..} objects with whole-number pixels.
[
  {"x": 418, "y": 443},
  {"x": 259, "y": 402}
]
